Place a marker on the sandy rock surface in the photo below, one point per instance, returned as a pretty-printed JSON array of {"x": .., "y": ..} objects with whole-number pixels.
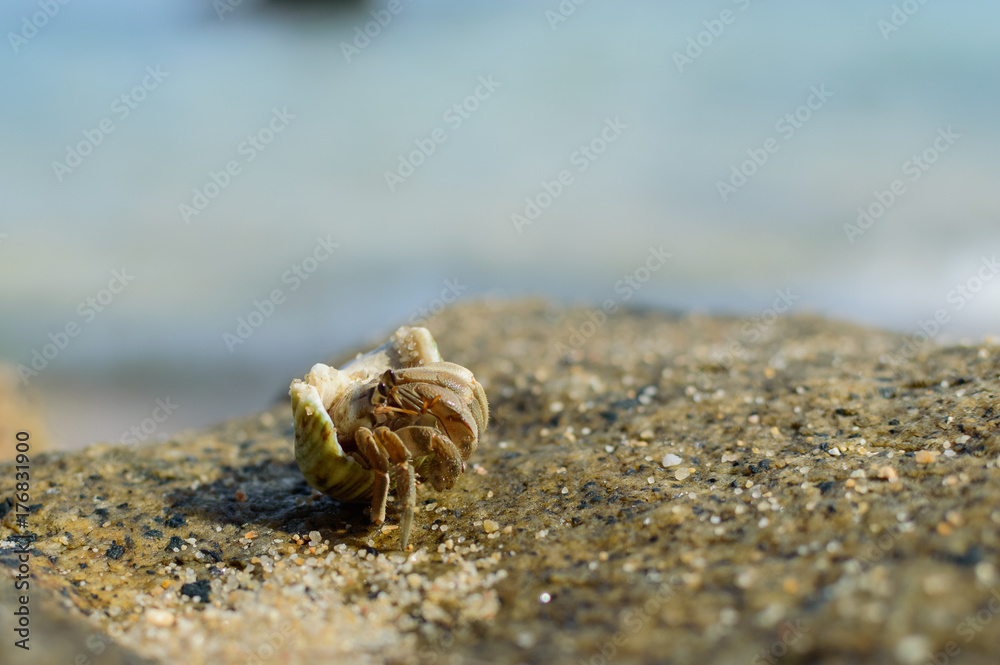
[{"x": 675, "y": 490}]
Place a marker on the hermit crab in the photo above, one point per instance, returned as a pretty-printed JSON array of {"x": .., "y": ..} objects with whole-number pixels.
[{"x": 398, "y": 408}]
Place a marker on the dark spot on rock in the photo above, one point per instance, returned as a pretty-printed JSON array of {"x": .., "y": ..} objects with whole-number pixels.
[
  {"x": 625, "y": 404},
  {"x": 83, "y": 566},
  {"x": 214, "y": 556},
  {"x": 972, "y": 556},
  {"x": 115, "y": 551},
  {"x": 511, "y": 455},
  {"x": 197, "y": 590},
  {"x": 152, "y": 533},
  {"x": 101, "y": 512},
  {"x": 122, "y": 506},
  {"x": 893, "y": 422},
  {"x": 826, "y": 486},
  {"x": 175, "y": 521},
  {"x": 844, "y": 412},
  {"x": 174, "y": 542}
]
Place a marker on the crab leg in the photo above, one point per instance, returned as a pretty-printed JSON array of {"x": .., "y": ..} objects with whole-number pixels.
[
  {"x": 376, "y": 457},
  {"x": 436, "y": 457},
  {"x": 406, "y": 478}
]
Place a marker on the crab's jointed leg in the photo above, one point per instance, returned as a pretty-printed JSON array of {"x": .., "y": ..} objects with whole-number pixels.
[
  {"x": 406, "y": 479},
  {"x": 375, "y": 455}
]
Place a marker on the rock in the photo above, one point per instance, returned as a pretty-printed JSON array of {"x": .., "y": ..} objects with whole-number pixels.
[{"x": 799, "y": 558}]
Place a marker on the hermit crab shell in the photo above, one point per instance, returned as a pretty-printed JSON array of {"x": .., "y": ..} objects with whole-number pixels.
[{"x": 321, "y": 458}]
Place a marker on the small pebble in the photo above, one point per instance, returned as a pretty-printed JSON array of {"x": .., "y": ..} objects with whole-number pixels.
[
  {"x": 888, "y": 473},
  {"x": 671, "y": 460},
  {"x": 490, "y": 526},
  {"x": 912, "y": 649},
  {"x": 681, "y": 474},
  {"x": 160, "y": 618},
  {"x": 926, "y": 456}
]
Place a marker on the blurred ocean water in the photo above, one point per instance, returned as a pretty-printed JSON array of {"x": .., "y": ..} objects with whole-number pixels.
[{"x": 366, "y": 164}]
